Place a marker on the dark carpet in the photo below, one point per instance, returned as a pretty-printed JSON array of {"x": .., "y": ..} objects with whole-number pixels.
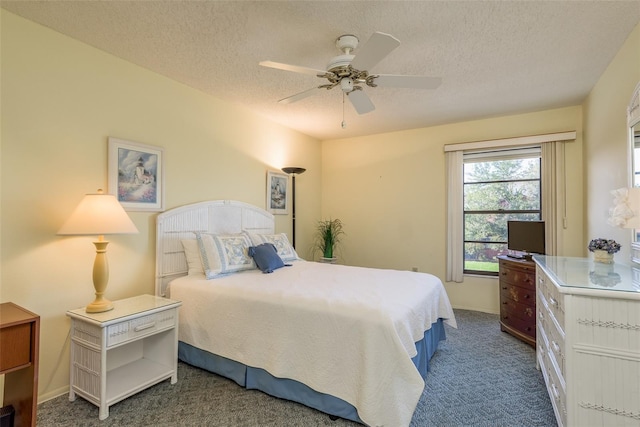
[{"x": 479, "y": 377}]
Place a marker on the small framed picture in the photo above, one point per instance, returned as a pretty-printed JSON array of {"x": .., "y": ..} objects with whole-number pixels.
[
  {"x": 136, "y": 175},
  {"x": 277, "y": 193}
]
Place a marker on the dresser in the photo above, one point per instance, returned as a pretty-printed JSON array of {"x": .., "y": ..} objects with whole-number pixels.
[
  {"x": 19, "y": 348},
  {"x": 117, "y": 353},
  {"x": 588, "y": 340},
  {"x": 518, "y": 298}
]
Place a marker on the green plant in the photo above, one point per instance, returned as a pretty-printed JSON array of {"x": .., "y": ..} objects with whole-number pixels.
[{"x": 328, "y": 235}]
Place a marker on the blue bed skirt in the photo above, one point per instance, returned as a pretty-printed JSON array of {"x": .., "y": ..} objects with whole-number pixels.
[{"x": 259, "y": 379}]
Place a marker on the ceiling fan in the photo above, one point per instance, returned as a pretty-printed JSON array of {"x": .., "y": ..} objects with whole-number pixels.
[{"x": 350, "y": 71}]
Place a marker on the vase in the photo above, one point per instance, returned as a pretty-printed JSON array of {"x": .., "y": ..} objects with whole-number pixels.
[{"x": 603, "y": 257}]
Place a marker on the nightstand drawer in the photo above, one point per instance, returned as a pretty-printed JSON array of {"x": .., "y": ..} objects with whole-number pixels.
[
  {"x": 140, "y": 327},
  {"x": 16, "y": 347}
]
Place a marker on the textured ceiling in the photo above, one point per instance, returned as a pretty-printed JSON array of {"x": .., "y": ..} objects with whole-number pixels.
[{"x": 494, "y": 57}]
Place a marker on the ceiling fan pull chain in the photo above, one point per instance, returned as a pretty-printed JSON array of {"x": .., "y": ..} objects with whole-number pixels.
[{"x": 344, "y": 124}]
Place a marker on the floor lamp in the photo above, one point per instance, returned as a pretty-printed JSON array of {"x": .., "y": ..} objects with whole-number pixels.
[{"x": 293, "y": 171}]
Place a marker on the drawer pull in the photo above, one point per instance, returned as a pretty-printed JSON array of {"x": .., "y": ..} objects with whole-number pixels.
[
  {"x": 504, "y": 287},
  {"x": 553, "y": 301},
  {"x": 541, "y": 315},
  {"x": 555, "y": 346},
  {"x": 527, "y": 296},
  {"x": 143, "y": 327}
]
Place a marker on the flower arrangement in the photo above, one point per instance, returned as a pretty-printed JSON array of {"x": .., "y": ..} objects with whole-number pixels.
[{"x": 611, "y": 246}]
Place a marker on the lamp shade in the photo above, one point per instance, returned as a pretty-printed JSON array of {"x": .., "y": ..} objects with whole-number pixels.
[
  {"x": 98, "y": 214},
  {"x": 625, "y": 212},
  {"x": 295, "y": 170}
]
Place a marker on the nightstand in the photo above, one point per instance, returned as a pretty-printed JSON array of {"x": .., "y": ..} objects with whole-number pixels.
[
  {"x": 19, "y": 351},
  {"x": 120, "y": 352}
]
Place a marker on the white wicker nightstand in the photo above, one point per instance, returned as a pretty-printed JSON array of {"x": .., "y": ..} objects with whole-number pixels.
[{"x": 118, "y": 353}]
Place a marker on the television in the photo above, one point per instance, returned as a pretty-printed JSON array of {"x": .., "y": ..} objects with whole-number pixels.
[{"x": 525, "y": 236}]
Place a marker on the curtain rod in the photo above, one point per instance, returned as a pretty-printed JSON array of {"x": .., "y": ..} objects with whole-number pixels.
[{"x": 510, "y": 142}]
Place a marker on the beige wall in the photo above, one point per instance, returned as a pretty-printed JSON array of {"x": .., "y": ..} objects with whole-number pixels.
[
  {"x": 607, "y": 149},
  {"x": 61, "y": 99},
  {"x": 389, "y": 190}
]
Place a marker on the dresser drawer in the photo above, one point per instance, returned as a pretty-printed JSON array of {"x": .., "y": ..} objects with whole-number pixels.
[
  {"x": 527, "y": 327},
  {"x": 523, "y": 311},
  {"x": 518, "y": 294},
  {"x": 553, "y": 298},
  {"x": 556, "y": 349},
  {"x": 139, "y": 327},
  {"x": 555, "y": 388},
  {"x": 518, "y": 274},
  {"x": 557, "y": 393}
]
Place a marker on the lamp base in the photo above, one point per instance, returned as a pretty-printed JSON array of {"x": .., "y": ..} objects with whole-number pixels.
[
  {"x": 99, "y": 305},
  {"x": 100, "y": 278}
]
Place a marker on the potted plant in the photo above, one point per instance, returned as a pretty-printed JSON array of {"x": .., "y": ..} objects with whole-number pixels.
[{"x": 328, "y": 235}]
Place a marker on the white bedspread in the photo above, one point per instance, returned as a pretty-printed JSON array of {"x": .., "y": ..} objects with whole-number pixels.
[{"x": 345, "y": 331}]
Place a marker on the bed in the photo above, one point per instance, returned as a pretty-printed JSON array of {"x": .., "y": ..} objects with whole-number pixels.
[{"x": 349, "y": 341}]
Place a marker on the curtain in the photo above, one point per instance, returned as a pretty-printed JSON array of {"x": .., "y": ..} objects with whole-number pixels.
[
  {"x": 554, "y": 208},
  {"x": 455, "y": 261}
]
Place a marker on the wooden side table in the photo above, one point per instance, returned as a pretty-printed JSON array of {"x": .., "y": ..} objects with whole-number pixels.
[
  {"x": 19, "y": 346},
  {"x": 118, "y": 353}
]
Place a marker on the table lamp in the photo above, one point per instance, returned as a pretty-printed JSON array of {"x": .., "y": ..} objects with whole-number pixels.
[
  {"x": 99, "y": 214},
  {"x": 625, "y": 212}
]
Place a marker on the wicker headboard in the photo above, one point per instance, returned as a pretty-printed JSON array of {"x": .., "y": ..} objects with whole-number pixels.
[{"x": 218, "y": 216}]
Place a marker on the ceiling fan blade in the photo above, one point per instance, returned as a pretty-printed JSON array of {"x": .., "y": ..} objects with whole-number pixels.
[
  {"x": 377, "y": 47},
  {"x": 413, "y": 82},
  {"x": 360, "y": 101},
  {"x": 294, "y": 68},
  {"x": 298, "y": 96}
]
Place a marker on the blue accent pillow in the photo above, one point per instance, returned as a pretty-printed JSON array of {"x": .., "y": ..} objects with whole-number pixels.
[{"x": 266, "y": 257}]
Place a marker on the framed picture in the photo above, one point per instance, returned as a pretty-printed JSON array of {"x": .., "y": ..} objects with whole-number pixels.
[
  {"x": 136, "y": 175},
  {"x": 277, "y": 193}
]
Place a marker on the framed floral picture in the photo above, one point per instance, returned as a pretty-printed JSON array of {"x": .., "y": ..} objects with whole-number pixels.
[
  {"x": 136, "y": 175},
  {"x": 277, "y": 193}
]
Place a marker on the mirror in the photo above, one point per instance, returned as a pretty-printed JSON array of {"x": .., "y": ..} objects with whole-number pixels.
[{"x": 633, "y": 121}]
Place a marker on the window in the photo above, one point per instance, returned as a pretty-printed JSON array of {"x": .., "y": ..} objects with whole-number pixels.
[
  {"x": 498, "y": 186},
  {"x": 550, "y": 150}
]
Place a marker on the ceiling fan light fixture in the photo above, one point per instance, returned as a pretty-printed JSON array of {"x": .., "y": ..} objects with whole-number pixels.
[{"x": 346, "y": 84}]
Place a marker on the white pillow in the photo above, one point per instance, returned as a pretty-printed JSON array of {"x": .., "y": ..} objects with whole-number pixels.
[
  {"x": 224, "y": 253},
  {"x": 192, "y": 253},
  {"x": 280, "y": 241}
]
